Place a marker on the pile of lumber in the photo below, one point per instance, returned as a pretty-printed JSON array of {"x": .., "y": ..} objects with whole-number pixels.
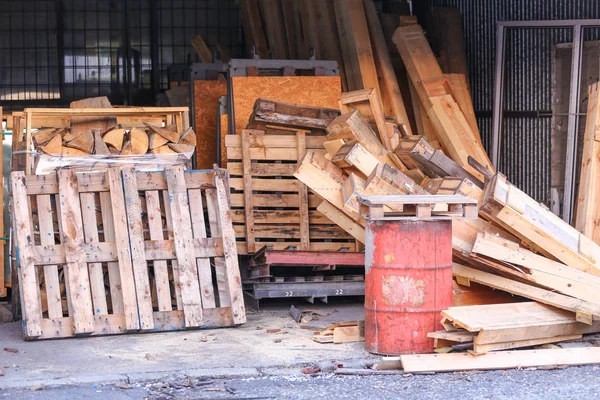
[
  {"x": 269, "y": 206},
  {"x": 516, "y": 245}
]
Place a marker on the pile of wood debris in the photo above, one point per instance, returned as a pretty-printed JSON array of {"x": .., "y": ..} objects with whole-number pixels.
[{"x": 516, "y": 245}]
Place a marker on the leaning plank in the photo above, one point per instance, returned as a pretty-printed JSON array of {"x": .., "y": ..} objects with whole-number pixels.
[
  {"x": 247, "y": 177},
  {"x": 539, "y": 269},
  {"x": 273, "y": 18},
  {"x": 538, "y": 227},
  {"x": 499, "y": 360},
  {"x": 342, "y": 220},
  {"x": 392, "y": 99},
  {"x": 77, "y": 280},
  {"x": 255, "y": 35},
  {"x": 586, "y": 311},
  {"x": 121, "y": 235},
  {"x": 136, "y": 244},
  {"x": 303, "y": 198},
  {"x": 453, "y": 130},
  {"x": 29, "y": 288},
  {"x": 186, "y": 261},
  {"x": 354, "y": 32},
  {"x": 587, "y": 219},
  {"x": 232, "y": 269}
]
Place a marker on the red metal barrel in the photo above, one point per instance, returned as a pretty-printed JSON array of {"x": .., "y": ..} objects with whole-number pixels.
[{"x": 408, "y": 268}]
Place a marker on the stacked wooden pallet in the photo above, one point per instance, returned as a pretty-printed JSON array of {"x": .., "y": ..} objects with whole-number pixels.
[
  {"x": 516, "y": 245},
  {"x": 270, "y": 207},
  {"x": 348, "y": 31},
  {"x": 119, "y": 251}
]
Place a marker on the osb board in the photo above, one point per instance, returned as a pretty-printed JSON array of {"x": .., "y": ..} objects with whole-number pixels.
[
  {"x": 206, "y": 100},
  {"x": 318, "y": 91}
]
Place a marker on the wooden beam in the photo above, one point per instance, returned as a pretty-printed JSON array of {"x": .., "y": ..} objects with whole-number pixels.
[
  {"x": 499, "y": 360},
  {"x": 391, "y": 97},
  {"x": 587, "y": 218},
  {"x": 272, "y": 13},
  {"x": 255, "y": 35}
]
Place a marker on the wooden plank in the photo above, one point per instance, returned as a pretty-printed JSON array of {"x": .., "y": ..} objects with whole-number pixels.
[
  {"x": 255, "y": 36},
  {"x": 232, "y": 269},
  {"x": 136, "y": 244},
  {"x": 587, "y": 217},
  {"x": 182, "y": 235},
  {"x": 51, "y": 281},
  {"x": 538, "y": 227},
  {"x": 90, "y": 230},
  {"x": 247, "y": 179},
  {"x": 460, "y": 90},
  {"x": 303, "y": 199},
  {"x": 352, "y": 21},
  {"x": 276, "y": 35},
  {"x": 203, "y": 264},
  {"x": 310, "y": 28},
  {"x": 170, "y": 236},
  {"x": 540, "y": 270},
  {"x": 155, "y": 230},
  {"x": 288, "y": 231},
  {"x": 73, "y": 239},
  {"x": 114, "y": 277},
  {"x": 342, "y": 220},
  {"x": 331, "y": 48},
  {"x": 355, "y": 155},
  {"x": 293, "y": 28},
  {"x": 452, "y": 128},
  {"x": 543, "y": 296},
  {"x": 392, "y": 99},
  {"x": 485, "y": 348},
  {"x": 499, "y": 360},
  {"x": 121, "y": 237},
  {"x": 202, "y": 49},
  {"x": 29, "y": 288},
  {"x": 257, "y": 139},
  {"x": 275, "y": 200},
  {"x": 280, "y": 217}
]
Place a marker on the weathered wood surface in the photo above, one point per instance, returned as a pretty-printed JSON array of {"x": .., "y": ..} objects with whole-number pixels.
[{"x": 124, "y": 203}]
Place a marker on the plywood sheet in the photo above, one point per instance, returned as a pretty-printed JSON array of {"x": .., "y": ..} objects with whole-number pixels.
[
  {"x": 319, "y": 91},
  {"x": 206, "y": 99}
]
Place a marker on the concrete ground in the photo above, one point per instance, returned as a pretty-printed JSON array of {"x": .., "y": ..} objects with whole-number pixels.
[{"x": 247, "y": 350}]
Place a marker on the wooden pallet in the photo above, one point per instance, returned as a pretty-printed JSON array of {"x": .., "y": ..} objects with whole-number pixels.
[
  {"x": 422, "y": 207},
  {"x": 128, "y": 117},
  {"x": 269, "y": 205},
  {"x": 125, "y": 278}
]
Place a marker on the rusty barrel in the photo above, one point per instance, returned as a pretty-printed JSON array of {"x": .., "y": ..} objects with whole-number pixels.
[{"x": 408, "y": 281}]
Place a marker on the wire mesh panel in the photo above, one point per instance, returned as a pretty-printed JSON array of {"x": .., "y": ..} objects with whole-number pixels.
[
  {"x": 57, "y": 51},
  {"x": 29, "y": 63}
]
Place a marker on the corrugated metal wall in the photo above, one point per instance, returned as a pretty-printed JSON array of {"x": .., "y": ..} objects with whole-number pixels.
[{"x": 527, "y": 126}]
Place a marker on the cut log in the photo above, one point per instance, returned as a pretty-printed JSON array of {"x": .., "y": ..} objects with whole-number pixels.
[
  {"x": 100, "y": 147},
  {"x": 43, "y": 136},
  {"x": 162, "y": 150},
  {"x": 54, "y": 146},
  {"x": 70, "y": 151},
  {"x": 87, "y": 123},
  {"x": 114, "y": 138},
  {"x": 182, "y": 148},
  {"x": 127, "y": 149},
  {"x": 188, "y": 137},
  {"x": 155, "y": 140},
  {"x": 139, "y": 141},
  {"x": 166, "y": 133},
  {"x": 83, "y": 141}
]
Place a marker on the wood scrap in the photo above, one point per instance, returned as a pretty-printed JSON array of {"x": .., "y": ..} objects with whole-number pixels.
[
  {"x": 114, "y": 138},
  {"x": 100, "y": 147}
]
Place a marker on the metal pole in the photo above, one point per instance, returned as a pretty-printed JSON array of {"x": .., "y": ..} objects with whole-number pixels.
[
  {"x": 126, "y": 53},
  {"x": 498, "y": 95},
  {"x": 154, "y": 50},
  {"x": 571, "y": 157}
]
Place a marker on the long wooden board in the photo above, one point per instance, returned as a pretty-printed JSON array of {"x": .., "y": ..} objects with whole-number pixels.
[{"x": 499, "y": 360}]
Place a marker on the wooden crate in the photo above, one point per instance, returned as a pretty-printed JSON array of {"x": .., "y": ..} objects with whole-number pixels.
[
  {"x": 114, "y": 266},
  {"x": 128, "y": 117},
  {"x": 269, "y": 205}
]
